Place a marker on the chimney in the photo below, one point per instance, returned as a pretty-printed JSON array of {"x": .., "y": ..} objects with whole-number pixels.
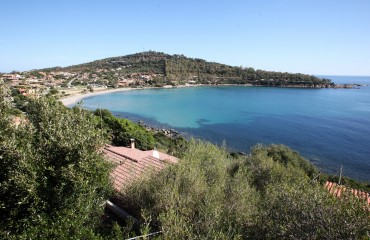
[
  {"x": 132, "y": 143},
  {"x": 156, "y": 154}
]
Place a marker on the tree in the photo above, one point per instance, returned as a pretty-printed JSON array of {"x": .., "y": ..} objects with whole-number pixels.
[
  {"x": 122, "y": 130},
  {"x": 54, "y": 91},
  {"x": 91, "y": 89},
  {"x": 54, "y": 181}
]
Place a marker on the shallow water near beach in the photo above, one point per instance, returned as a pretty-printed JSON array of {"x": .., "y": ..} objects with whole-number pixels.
[{"x": 331, "y": 127}]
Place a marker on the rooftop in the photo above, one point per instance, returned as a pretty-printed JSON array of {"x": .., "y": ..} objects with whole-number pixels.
[
  {"x": 340, "y": 191},
  {"x": 133, "y": 164}
]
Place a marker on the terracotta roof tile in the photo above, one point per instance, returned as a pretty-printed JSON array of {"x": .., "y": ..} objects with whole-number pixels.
[
  {"x": 340, "y": 190},
  {"x": 132, "y": 164}
]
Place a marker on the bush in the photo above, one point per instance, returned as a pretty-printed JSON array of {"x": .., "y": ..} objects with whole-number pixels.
[
  {"x": 53, "y": 91},
  {"x": 307, "y": 212},
  {"x": 122, "y": 130},
  {"x": 173, "y": 146},
  {"x": 196, "y": 198},
  {"x": 266, "y": 195},
  {"x": 53, "y": 180},
  {"x": 286, "y": 156}
]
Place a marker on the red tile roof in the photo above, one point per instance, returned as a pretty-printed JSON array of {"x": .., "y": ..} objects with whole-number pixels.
[
  {"x": 133, "y": 164},
  {"x": 340, "y": 190}
]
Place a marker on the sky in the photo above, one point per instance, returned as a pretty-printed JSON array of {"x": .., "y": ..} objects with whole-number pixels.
[{"x": 321, "y": 37}]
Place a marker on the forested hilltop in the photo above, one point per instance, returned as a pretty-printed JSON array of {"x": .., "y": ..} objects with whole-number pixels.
[{"x": 159, "y": 69}]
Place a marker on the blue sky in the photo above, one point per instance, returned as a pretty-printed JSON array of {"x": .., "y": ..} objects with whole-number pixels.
[{"x": 308, "y": 36}]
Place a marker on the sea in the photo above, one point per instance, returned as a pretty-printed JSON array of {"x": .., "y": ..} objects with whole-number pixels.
[{"x": 330, "y": 127}]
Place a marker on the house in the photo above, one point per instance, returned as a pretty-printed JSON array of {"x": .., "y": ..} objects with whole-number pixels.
[
  {"x": 133, "y": 163},
  {"x": 11, "y": 77}
]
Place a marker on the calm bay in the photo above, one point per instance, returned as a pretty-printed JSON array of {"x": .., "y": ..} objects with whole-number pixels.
[{"x": 330, "y": 127}]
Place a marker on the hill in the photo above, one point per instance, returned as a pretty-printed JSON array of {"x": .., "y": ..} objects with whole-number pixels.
[{"x": 158, "y": 69}]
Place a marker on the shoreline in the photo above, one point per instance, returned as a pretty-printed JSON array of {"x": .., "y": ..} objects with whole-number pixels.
[{"x": 74, "y": 98}]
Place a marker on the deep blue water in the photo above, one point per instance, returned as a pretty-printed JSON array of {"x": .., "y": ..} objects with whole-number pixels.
[{"x": 331, "y": 127}]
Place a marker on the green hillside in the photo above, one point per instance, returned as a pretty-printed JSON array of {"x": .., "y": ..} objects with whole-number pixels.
[{"x": 178, "y": 69}]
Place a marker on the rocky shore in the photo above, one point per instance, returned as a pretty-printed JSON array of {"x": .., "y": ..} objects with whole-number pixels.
[{"x": 171, "y": 133}]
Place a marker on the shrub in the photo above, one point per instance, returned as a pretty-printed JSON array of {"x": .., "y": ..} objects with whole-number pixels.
[
  {"x": 122, "y": 130},
  {"x": 53, "y": 180},
  {"x": 266, "y": 195},
  {"x": 195, "y": 198},
  {"x": 307, "y": 211}
]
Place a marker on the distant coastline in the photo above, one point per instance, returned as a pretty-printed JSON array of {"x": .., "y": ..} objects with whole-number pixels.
[{"x": 74, "y": 98}]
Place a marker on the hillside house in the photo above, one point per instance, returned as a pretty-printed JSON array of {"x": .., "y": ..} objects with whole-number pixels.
[
  {"x": 11, "y": 77},
  {"x": 133, "y": 163}
]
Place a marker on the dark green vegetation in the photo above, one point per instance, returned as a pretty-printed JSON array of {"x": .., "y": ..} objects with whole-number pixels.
[
  {"x": 122, "y": 130},
  {"x": 119, "y": 131},
  {"x": 266, "y": 195},
  {"x": 19, "y": 100},
  {"x": 54, "y": 182},
  {"x": 174, "y": 146},
  {"x": 279, "y": 153},
  {"x": 178, "y": 69}
]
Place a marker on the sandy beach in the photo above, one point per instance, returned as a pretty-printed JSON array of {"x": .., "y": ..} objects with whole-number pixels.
[{"x": 74, "y": 98}]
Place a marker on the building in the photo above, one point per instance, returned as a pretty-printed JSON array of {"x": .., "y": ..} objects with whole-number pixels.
[
  {"x": 11, "y": 77},
  {"x": 134, "y": 164}
]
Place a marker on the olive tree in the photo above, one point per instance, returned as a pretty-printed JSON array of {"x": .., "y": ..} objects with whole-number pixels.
[{"x": 54, "y": 181}]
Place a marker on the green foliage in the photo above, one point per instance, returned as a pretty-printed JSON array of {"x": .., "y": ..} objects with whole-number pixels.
[
  {"x": 173, "y": 146},
  {"x": 195, "y": 198},
  {"x": 20, "y": 101},
  {"x": 54, "y": 91},
  {"x": 119, "y": 131},
  {"x": 266, "y": 195},
  {"x": 53, "y": 180},
  {"x": 286, "y": 156},
  {"x": 303, "y": 211},
  {"x": 122, "y": 130}
]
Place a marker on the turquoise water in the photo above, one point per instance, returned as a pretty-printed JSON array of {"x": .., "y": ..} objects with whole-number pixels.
[{"x": 331, "y": 127}]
